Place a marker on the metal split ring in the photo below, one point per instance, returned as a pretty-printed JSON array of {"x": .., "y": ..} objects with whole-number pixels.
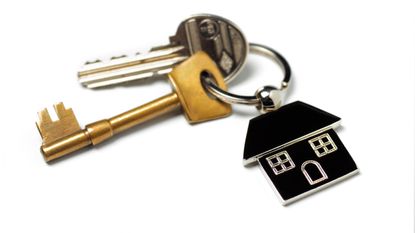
[{"x": 266, "y": 98}]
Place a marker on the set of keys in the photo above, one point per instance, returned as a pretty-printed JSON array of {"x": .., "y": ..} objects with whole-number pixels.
[
  {"x": 202, "y": 44},
  {"x": 295, "y": 144},
  {"x": 65, "y": 135}
]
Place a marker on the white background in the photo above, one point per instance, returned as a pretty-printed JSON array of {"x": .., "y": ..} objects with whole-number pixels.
[{"x": 354, "y": 59}]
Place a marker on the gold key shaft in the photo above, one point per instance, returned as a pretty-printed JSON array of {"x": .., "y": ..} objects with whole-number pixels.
[{"x": 65, "y": 135}]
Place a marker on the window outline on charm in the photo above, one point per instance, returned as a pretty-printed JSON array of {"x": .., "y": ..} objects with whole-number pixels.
[
  {"x": 322, "y": 145},
  {"x": 280, "y": 162}
]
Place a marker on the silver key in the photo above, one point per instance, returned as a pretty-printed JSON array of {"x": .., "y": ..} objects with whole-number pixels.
[{"x": 218, "y": 37}]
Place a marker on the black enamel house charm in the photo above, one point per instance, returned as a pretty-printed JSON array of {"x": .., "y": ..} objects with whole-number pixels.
[{"x": 298, "y": 150}]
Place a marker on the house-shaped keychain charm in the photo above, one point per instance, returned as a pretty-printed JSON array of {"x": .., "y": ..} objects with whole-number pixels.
[{"x": 298, "y": 150}]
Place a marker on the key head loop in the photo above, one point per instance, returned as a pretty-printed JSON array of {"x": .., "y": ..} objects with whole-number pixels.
[
  {"x": 266, "y": 98},
  {"x": 220, "y": 38}
]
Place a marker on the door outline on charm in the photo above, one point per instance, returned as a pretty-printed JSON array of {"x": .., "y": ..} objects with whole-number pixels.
[{"x": 320, "y": 169}]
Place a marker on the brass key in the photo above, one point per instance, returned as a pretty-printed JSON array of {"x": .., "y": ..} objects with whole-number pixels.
[{"x": 64, "y": 136}]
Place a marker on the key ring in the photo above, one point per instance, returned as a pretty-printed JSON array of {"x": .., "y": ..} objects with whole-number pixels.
[{"x": 266, "y": 98}]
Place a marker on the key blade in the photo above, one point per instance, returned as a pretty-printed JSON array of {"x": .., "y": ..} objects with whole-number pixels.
[
  {"x": 125, "y": 61},
  {"x": 119, "y": 80},
  {"x": 53, "y": 130},
  {"x": 140, "y": 71},
  {"x": 123, "y": 69}
]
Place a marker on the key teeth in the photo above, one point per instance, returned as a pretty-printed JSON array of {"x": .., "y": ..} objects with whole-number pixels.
[
  {"x": 51, "y": 130},
  {"x": 61, "y": 111},
  {"x": 93, "y": 62},
  {"x": 44, "y": 117},
  {"x": 96, "y": 61},
  {"x": 118, "y": 57}
]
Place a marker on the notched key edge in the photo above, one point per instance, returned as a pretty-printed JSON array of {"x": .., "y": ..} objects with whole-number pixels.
[{"x": 53, "y": 130}]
